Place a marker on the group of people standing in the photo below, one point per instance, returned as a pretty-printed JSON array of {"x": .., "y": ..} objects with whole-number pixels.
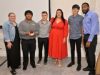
[{"x": 52, "y": 35}]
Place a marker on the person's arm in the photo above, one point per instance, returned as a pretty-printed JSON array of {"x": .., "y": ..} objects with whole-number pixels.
[
  {"x": 69, "y": 23},
  {"x": 51, "y": 20},
  {"x": 65, "y": 31},
  {"x": 6, "y": 32},
  {"x": 82, "y": 33},
  {"x": 6, "y": 35},
  {"x": 49, "y": 26},
  {"x": 94, "y": 29},
  {"x": 95, "y": 26},
  {"x": 37, "y": 27},
  {"x": 81, "y": 29}
]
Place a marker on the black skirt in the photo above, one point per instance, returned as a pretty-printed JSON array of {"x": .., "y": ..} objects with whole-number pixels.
[{"x": 13, "y": 54}]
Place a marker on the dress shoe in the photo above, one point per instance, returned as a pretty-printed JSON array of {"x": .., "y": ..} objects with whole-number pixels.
[
  {"x": 39, "y": 62},
  {"x": 45, "y": 62},
  {"x": 33, "y": 66},
  {"x": 91, "y": 73},
  {"x": 86, "y": 69},
  {"x": 13, "y": 72},
  {"x": 24, "y": 68},
  {"x": 70, "y": 64},
  {"x": 78, "y": 68}
]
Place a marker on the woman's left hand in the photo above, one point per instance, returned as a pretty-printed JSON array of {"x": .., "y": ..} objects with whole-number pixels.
[{"x": 64, "y": 40}]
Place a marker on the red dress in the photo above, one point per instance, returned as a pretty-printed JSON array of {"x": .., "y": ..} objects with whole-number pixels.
[{"x": 57, "y": 48}]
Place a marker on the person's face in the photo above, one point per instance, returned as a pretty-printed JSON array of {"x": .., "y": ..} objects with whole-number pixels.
[
  {"x": 75, "y": 11},
  {"x": 44, "y": 16},
  {"x": 12, "y": 17},
  {"x": 59, "y": 14},
  {"x": 85, "y": 8},
  {"x": 29, "y": 16}
]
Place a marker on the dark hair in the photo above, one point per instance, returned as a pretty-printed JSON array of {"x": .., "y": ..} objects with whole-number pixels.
[
  {"x": 62, "y": 16},
  {"x": 44, "y": 12},
  {"x": 28, "y": 12},
  {"x": 86, "y": 4},
  {"x": 11, "y": 13},
  {"x": 76, "y": 6}
]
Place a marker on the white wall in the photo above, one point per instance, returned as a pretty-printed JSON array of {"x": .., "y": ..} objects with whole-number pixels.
[{"x": 19, "y": 7}]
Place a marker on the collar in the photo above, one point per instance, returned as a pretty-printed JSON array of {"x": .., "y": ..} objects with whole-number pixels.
[
  {"x": 75, "y": 16},
  {"x": 45, "y": 21},
  {"x": 10, "y": 23},
  {"x": 28, "y": 21},
  {"x": 88, "y": 13}
]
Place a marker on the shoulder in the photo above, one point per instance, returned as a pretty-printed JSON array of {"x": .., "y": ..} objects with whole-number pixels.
[
  {"x": 39, "y": 22},
  {"x": 66, "y": 21},
  {"x": 81, "y": 17},
  {"x": 21, "y": 23},
  {"x": 70, "y": 17},
  {"x": 34, "y": 22},
  {"x": 48, "y": 22},
  {"x": 6, "y": 23},
  {"x": 52, "y": 19},
  {"x": 93, "y": 13}
]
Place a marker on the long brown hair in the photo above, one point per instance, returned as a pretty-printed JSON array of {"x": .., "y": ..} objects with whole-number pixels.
[{"x": 62, "y": 16}]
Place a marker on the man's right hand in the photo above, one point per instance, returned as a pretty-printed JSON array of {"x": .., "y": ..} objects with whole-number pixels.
[
  {"x": 9, "y": 45},
  {"x": 27, "y": 33}
]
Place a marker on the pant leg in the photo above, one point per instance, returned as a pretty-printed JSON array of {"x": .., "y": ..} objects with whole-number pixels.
[
  {"x": 8, "y": 55},
  {"x": 40, "y": 47},
  {"x": 91, "y": 55},
  {"x": 72, "y": 46},
  {"x": 46, "y": 42},
  {"x": 78, "y": 47},
  {"x": 86, "y": 51},
  {"x": 90, "y": 52},
  {"x": 25, "y": 52},
  {"x": 32, "y": 51}
]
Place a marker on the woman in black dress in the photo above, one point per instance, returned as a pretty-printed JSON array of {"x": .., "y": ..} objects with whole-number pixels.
[{"x": 12, "y": 43}]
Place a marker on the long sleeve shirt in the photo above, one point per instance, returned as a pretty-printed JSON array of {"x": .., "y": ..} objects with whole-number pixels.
[{"x": 91, "y": 25}]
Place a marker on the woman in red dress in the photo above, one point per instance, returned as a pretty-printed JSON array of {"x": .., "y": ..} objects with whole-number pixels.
[{"x": 58, "y": 37}]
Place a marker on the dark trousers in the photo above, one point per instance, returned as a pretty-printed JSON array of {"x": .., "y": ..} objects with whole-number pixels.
[
  {"x": 90, "y": 52},
  {"x": 76, "y": 42},
  {"x": 43, "y": 42},
  {"x": 13, "y": 55},
  {"x": 28, "y": 46}
]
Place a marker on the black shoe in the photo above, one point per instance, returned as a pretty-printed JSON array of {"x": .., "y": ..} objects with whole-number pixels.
[
  {"x": 78, "y": 68},
  {"x": 18, "y": 67},
  {"x": 91, "y": 73},
  {"x": 13, "y": 72},
  {"x": 70, "y": 64},
  {"x": 39, "y": 61},
  {"x": 24, "y": 68},
  {"x": 34, "y": 66},
  {"x": 45, "y": 62},
  {"x": 86, "y": 69}
]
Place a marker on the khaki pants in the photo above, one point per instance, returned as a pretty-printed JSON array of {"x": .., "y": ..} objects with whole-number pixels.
[{"x": 98, "y": 66}]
